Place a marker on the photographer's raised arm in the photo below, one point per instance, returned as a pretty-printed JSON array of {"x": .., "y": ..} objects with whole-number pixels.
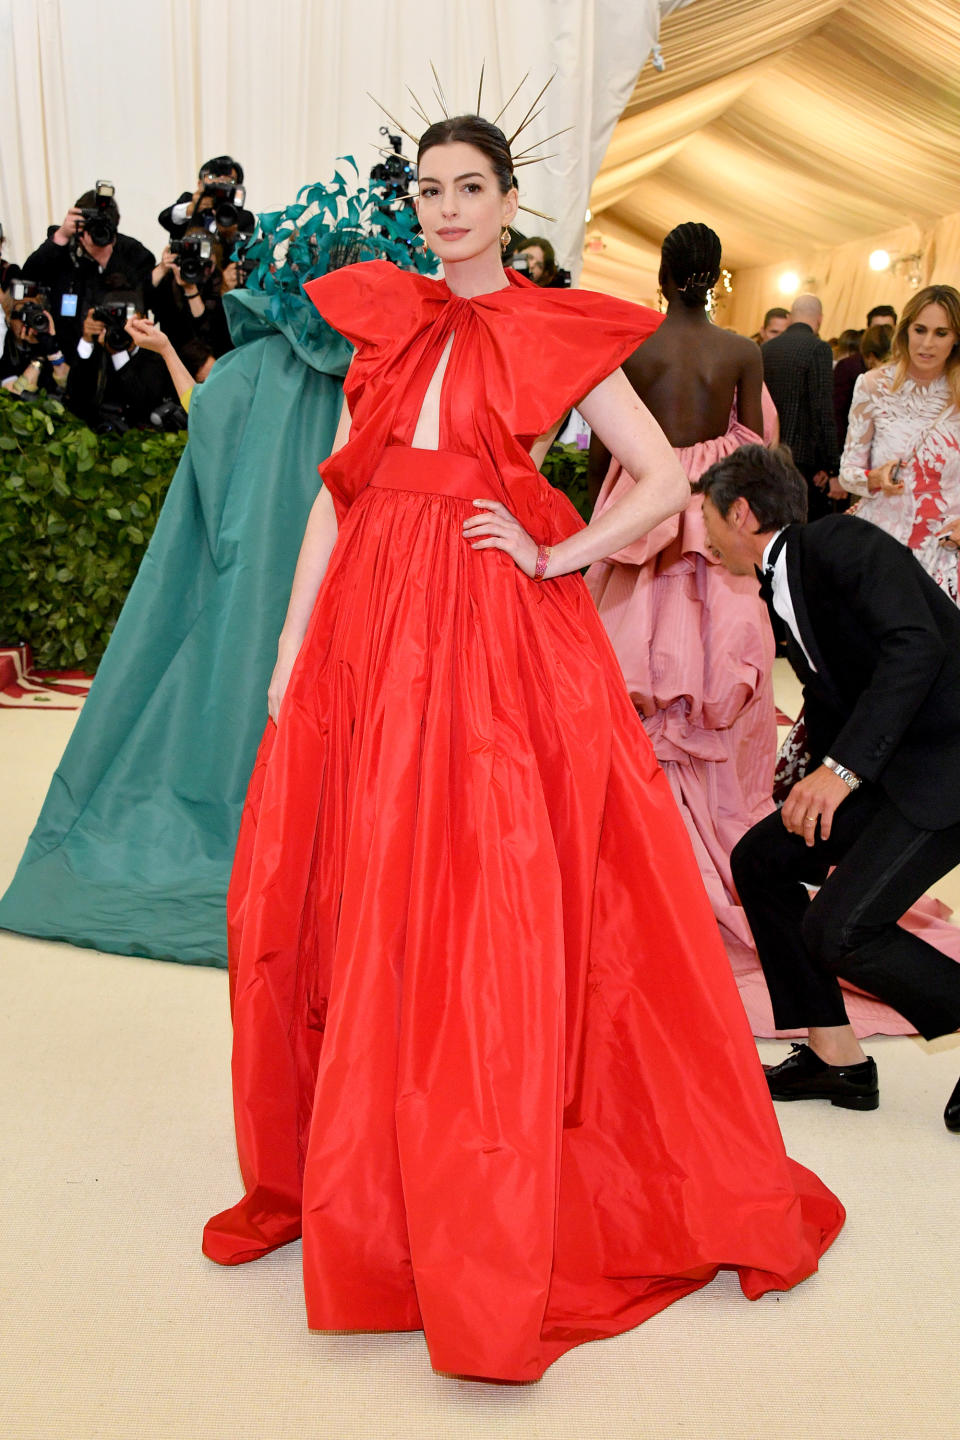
[
  {"x": 148, "y": 336},
  {"x": 163, "y": 266},
  {"x": 68, "y": 226},
  {"x": 50, "y": 264}
]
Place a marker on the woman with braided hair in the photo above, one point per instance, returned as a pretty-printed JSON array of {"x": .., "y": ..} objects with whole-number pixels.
[
  {"x": 694, "y": 642},
  {"x": 489, "y": 1060}
]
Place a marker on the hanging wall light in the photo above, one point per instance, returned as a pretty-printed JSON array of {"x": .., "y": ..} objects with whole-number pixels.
[{"x": 789, "y": 282}]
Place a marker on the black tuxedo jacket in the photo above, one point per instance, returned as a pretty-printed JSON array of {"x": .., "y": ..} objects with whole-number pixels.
[{"x": 885, "y": 639}]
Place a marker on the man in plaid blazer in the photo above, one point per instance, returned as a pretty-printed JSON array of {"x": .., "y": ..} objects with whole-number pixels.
[{"x": 798, "y": 372}]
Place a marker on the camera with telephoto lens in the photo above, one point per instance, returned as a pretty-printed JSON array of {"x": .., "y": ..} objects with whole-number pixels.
[
  {"x": 228, "y": 201},
  {"x": 194, "y": 257},
  {"x": 114, "y": 314},
  {"x": 100, "y": 220}
]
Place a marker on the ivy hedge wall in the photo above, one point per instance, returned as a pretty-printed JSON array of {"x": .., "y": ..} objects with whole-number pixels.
[
  {"x": 566, "y": 467},
  {"x": 76, "y": 513}
]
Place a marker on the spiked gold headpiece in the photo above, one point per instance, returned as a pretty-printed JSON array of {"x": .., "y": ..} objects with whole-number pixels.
[{"x": 525, "y": 157}]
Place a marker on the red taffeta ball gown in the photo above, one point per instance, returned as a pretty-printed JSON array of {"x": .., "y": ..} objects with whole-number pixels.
[{"x": 489, "y": 1056}]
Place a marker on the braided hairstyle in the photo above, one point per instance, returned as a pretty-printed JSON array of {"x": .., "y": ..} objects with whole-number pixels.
[{"x": 690, "y": 256}]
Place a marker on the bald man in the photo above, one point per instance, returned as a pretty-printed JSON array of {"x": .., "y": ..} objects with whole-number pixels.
[{"x": 798, "y": 372}]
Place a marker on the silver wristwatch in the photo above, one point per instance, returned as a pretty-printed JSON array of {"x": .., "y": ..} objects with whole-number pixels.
[{"x": 852, "y": 782}]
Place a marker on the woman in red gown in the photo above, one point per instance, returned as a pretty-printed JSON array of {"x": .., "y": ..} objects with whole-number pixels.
[{"x": 489, "y": 1057}]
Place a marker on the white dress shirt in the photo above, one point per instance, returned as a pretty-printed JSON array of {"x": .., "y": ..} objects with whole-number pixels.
[
  {"x": 85, "y": 350},
  {"x": 782, "y": 599}
]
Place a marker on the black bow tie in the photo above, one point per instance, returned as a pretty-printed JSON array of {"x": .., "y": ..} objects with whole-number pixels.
[{"x": 765, "y": 576}]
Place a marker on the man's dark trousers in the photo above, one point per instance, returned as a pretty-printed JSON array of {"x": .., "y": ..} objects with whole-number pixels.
[
  {"x": 883, "y": 864},
  {"x": 879, "y": 659}
]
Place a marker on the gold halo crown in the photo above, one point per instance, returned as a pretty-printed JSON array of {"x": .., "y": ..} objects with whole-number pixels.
[{"x": 525, "y": 157}]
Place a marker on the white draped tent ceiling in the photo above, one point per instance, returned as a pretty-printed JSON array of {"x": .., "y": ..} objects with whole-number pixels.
[{"x": 808, "y": 133}]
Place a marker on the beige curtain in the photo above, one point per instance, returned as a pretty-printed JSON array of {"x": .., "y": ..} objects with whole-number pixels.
[
  {"x": 843, "y": 279},
  {"x": 141, "y": 92}
]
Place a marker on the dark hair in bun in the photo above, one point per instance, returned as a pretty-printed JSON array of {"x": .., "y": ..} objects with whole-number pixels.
[{"x": 473, "y": 130}]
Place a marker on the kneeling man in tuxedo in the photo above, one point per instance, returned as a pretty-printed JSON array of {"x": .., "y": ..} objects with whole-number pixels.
[{"x": 876, "y": 645}]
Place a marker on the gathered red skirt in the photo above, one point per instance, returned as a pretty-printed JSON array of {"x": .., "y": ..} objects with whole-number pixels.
[{"x": 489, "y": 1055}]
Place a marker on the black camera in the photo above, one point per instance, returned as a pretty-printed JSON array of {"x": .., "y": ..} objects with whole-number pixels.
[
  {"x": 31, "y": 307},
  {"x": 228, "y": 201},
  {"x": 33, "y": 317},
  {"x": 101, "y": 221},
  {"x": 395, "y": 174},
  {"x": 114, "y": 314},
  {"x": 244, "y": 262},
  {"x": 169, "y": 415},
  {"x": 195, "y": 257},
  {"x": 32, "y": 303}
]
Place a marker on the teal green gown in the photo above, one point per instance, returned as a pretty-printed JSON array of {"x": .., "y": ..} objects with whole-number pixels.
[{"x": 133, "y": 847}]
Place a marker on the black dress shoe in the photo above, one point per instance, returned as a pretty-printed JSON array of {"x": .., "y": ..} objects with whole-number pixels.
[
  {"x": 951, "y": 1116},
  {"x": 804, "y": 1076}
]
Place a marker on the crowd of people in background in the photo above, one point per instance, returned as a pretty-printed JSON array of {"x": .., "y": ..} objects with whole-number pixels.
[
  {"x": 92, "y": 317},
  {"x": 872, "y": 418}
]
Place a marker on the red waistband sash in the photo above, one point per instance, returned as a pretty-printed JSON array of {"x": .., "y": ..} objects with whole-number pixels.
[{"x": 432, "y": 472}]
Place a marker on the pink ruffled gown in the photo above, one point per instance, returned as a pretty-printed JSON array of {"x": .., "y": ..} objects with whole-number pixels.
[{"x": 696, "y": 651}]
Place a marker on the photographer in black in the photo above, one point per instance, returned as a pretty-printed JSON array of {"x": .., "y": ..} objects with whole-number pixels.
[
  {"x": 217, "y": 204},
  {"x": 115, "y": 385},
  {"x": 537, "y": 259},
  {"x": 8, "y": 271},
  {"x": 186, "y": 289},
  {"x": 85, "y": 259},
  {"x": 32, "y": 360}
]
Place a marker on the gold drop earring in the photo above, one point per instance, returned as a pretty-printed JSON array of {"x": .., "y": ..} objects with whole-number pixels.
[{"x": 504, "y": 238}]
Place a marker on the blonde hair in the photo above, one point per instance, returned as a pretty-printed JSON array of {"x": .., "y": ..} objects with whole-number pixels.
[{"x": 949, "y": 300}]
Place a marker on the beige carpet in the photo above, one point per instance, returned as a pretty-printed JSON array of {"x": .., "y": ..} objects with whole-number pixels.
[{"x": 116, "y": 1145}]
